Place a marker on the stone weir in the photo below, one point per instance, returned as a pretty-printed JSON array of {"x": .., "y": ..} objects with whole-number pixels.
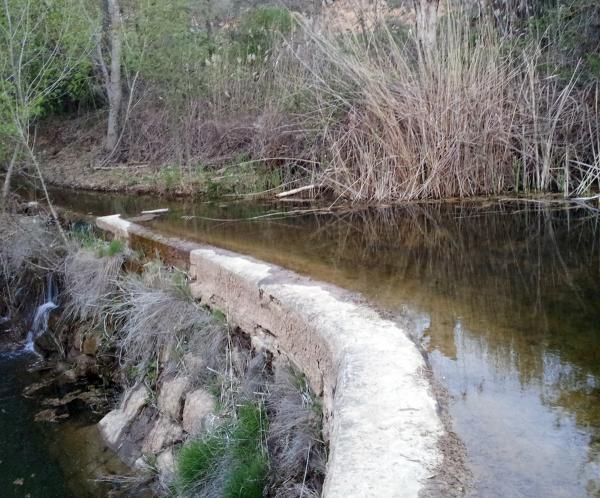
[{"x": 381, "y": 419}]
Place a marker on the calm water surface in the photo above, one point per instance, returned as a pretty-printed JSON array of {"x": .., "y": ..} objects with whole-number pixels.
[
  {"x": 505, "y": 297},
  {"x": 41, "y": 459}
]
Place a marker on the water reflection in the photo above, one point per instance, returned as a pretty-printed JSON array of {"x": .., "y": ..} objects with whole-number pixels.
[
  {"x": 521, "y": 442},
  {"x": 43, "y": 459},
  {"x": 510, "y": 297}
]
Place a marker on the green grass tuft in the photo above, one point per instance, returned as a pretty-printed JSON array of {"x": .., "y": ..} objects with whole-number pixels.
[
  {"x": 115, "y": 247},
  {"x": 197, "y": 459},
  {"x": 237, "y": 450},
  {"x": 248, "y": 478}
]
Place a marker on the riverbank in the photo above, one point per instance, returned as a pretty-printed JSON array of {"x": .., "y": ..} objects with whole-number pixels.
[
  {"x": 201, "y": 408},
  {"x": 71, "y": 152},
  {"x": 278, "y": 101},
  {"x": 70, "y": 166}
]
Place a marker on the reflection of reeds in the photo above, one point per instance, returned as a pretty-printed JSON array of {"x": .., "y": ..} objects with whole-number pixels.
[{"x": 520, "y": 275}]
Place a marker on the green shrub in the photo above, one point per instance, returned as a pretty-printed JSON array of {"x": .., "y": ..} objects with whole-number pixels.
[{"x": 258, "y": 30}]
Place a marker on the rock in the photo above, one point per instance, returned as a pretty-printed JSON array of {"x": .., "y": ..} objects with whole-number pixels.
[
  {"x": 65, "y": 400},
  {"x": 31, "y": 389},
  {"x": 85, "y": 365},
  {"x": 164, "y": 433},
  {"x": 166, "y": 353},
  {"x": 130, "y": 443},
  {"x": 199, "y": 405},
  {"x": 46, "y": 344},
  {"x": 170, "y": 399},
  {"x": 68, "y": 377},
  {"x": 165, "y": 463},
  {"x": 135, "y": 401},
  {"x": 49, "y": 415},
  {"x": 90, "y": 345},
  {"x": 76, "y": 343},
  {"x": 114, "y": 423}
]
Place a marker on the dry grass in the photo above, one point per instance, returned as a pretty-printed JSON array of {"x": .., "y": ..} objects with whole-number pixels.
[
  {"x": 153, "y": 314},
  {"x": 29, "y": 251},
  {"x": 90, "y": 279},
  {"x": 473, "y": 116},
  {"x": 296, "y": 450},
  {"x": 369, "y": 116}
]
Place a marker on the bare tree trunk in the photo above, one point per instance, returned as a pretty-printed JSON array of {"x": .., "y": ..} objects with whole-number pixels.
[
  {"x": 114, "y": 88},
  {"x": 426, "y": 22},
  {"x": 9, "y": 173}
]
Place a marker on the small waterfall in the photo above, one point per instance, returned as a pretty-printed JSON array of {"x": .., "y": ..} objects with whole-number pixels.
[{"x": 42, "y": 314}]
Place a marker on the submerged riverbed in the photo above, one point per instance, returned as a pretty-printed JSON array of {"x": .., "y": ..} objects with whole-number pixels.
[
  {"x": 505, "y": 297},
  {"x": 47, "y": 459}
]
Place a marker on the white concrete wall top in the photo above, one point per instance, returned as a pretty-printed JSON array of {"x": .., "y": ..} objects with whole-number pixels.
[{"x": 381, "y": 417}]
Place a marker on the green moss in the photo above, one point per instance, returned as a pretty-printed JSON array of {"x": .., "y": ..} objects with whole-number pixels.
[
  {"x": 152, "y": 372},
  {"x": 218, "y": 316}
]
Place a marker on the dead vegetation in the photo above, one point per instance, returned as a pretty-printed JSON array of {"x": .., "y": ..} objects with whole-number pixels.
[
  {"x": 294, "y": 437},
  {"x": 364, "y": 113},
  {"x": 30, "y": 252},
  {"x": 91, "y": 283},
  {"x": 266, "y": 432},
  {"x": 154, "y": 314}
]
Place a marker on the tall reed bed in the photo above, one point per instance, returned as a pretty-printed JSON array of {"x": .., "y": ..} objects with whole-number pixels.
[
  {"x": 371, "y": 116},
  {"x": 473, "y": 115}
]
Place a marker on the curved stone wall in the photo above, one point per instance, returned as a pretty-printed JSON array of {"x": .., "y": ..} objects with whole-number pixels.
[{"x": 381, "y": 418}]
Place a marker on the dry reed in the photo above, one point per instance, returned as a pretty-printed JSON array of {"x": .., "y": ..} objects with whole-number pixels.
[{"x": 372, "y": 117}]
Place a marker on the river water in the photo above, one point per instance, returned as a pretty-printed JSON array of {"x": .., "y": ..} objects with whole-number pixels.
[
  {"x": 44, "y": 459},
  {"x": 505, "y": 297}
]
